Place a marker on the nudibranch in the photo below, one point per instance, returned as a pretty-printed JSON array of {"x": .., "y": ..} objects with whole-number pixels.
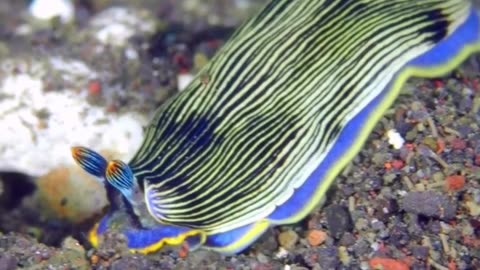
[{"x": 290, "y": 100}]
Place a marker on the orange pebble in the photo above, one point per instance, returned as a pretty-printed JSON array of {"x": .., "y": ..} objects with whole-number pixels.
[
  {"x": 183, "y": 252},
  {"x": 316, "y": 237},
  {"x": 387, "y": 264},
  {"x": 455, "y": 182},
  {"x": 388, "y": 165},
  {"x": 440, "y": 146},
  {"x": 94, "y": 259}
]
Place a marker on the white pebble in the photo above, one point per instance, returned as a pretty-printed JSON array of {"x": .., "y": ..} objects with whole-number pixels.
[
  {"x": 183, "y": 80},
  {"x": 282, "y": 253},
  {"x": 395, "y": 139},
  {"x": 131, "y": 54},
  {"x": 49, "y": 9}
]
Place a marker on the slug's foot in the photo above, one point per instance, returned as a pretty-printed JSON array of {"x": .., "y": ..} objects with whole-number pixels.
[
  {"x": 234, "y": 241},
  {"x": 149, "y": 240}
]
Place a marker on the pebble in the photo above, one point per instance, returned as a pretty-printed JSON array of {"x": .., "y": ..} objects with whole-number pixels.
[
  {"x": 421, "y": 252},
  {"x": 455, "y": 182},
  {"x": 431, "y": 142},
  {"x": 282, "y": 253},
  {"x": 316, "y": 237},
  {"x": 387, "y": 263},
  {"x": 361, "y": 247},
  {"x": 49, "y": 9},
  {"x": 328, "y": 258},
  {"x": 95, "y": 88},
  {"x": 183, "y": 80},
  {"x": 383, "y": 234},
  {"x": 132, "y": 263},
  {"x": 476, "y": 195},
  {"x": 8, "y": 262},
  {"x": 458, "y": 144},
  {"x": 477, "y": 160},
  {"x": 403, "y": 127},
  {"x": 262, "y": 258},
  {"x": 380, "y": 158},
  {"x": 344, "y": 256},
  {"x": 199, "y": 60},
  {"x": 397, "y": 164},
  {"x": 385, "y": 208},
  {"x": 411, "y": 135},
  {"x": 395, "y": 139},
  {"x": 339, "y": 220},
  {"x": 269, "y": 243},
  {"x": 361, "y": 224},
  {"x": 72, "y": 244},
  {"x": 435, "y": 227},
  {"x": 474, "y": 208},
  {"x": 348, "y": 190},
  {"x": 430, "y": 204},
  {"x": 377, "y": 225},
  {"x": 389, "y": 178},
  {"x": 65, "y": 257},
  {"x": 348, "y": 239},
  {"x": 399, "y": 236},
  {"x": 438, "y": 177},
  {"x": 375, "y": 183},
  {"x": 288, "y": 239}
]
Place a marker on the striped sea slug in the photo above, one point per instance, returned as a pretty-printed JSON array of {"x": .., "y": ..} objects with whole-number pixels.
[{"x": 290, "y": 100}]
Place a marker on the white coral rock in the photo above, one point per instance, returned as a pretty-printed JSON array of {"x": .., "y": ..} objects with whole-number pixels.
[
  {"x": 38, "y": 127},
  {"x": 115, "y": 25}
]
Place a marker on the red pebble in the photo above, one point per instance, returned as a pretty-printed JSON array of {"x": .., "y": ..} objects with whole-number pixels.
[
  {"x": 455, "y": 182},
  {"x": 452, "y": 265},
  {"x": 95, "y": 88},
  {"x": 397, "y": 164},
  {"x": 439, "y": 84},
  {"x": 459, "y": 144},
  {"x": 410, "y": 146},
  {"x": 386, "y": 263}
]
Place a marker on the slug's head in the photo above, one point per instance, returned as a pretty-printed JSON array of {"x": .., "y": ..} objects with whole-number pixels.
[
  {"x": 143, "y": 233},
  {"x": 116, "y": 175}
]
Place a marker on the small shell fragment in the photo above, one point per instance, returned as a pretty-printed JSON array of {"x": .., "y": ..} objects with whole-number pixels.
[
  {"x": 395, "y": 139},
  {"x": 183, "y": 80}
]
